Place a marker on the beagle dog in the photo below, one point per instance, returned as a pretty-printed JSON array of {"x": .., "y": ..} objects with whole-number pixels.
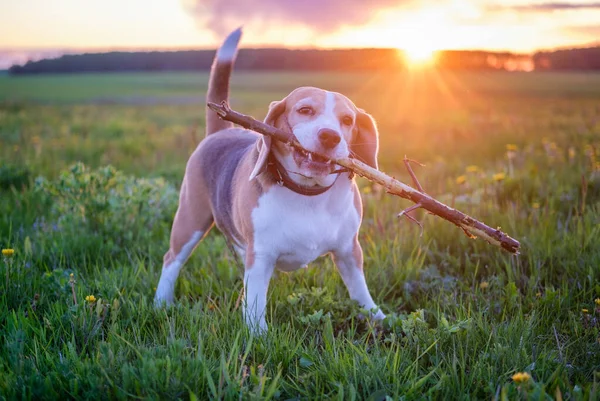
[{"x": 279, "y": 207}]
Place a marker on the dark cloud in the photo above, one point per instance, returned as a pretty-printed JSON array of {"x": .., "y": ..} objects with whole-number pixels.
[
  {"x": 548, "y": 7},
  {"x": 322, "y": 15}
]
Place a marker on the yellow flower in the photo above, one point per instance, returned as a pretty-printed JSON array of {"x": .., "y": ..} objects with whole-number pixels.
[
  {"x": 8, "y": 252},
  {"x": 71, "y": 275},
  {"x": 90, "y": 298},
  {"x": 461, "y": 179},
  {"x": 584, "y": 310},
  {"x": 499, "y": 177},
  {"x": 521, "y": 377},
  {"x": 535, "y": 205},
  {"x": 538, "y": 294},
  {"x": 483, "y": 285},
  {"x": 472, "y": 169},
  {"x": 597, "y": 301},
  {"x": 512, "y": 147}
]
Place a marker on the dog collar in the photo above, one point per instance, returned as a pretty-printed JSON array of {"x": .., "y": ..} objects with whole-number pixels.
[{"x": 283, "y": 179}]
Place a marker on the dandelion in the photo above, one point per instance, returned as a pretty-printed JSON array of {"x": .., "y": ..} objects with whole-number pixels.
[
  {"x": 472, "y": 169},
  {"x": 535, "y": 205},
  {"x": 584, "y": 310},
  {"x": 461, "y": 179},
  {"x": 511, "y": 147},
  {"x": 8, "y": 252},
  {"x": 483, "y": 285},
  {"x": 498, "y": 177},
  {"x": 597, "y": 301},
  {"x": 90, "y": 298},
  {"x": 521, "y": 377}
]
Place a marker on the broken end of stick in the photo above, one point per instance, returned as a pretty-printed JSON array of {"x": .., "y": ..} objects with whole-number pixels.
[
  {"x": 220, "y": 109},
  {"x": 512, "y": 248}
]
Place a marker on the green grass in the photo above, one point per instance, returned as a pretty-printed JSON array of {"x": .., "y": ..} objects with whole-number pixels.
[{"x": 463, "y": 315}]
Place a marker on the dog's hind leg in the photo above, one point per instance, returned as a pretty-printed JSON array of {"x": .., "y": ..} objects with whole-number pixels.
[{"x": 192, "y": 222}]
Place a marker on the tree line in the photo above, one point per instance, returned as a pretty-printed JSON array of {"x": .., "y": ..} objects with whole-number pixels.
[{"x": 311, "y": 60}]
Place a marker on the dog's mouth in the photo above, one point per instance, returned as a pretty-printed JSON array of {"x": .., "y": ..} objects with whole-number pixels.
[{"x": 315, "y": 164}]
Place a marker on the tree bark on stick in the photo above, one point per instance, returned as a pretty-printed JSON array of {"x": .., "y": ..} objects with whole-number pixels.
[{"x": 472, "y": 227}]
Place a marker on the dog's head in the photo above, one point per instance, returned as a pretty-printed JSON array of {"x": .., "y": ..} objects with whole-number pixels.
[{"x": 324, "y": 122}]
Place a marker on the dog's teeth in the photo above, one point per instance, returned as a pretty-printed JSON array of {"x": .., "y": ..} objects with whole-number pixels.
[{"x": 310, "y": 156}]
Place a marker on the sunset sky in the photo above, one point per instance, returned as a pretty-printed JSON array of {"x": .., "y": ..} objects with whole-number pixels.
[{"x": 516, "y": 25}]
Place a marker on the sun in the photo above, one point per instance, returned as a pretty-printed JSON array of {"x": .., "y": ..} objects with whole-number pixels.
[{"x": 419, "y": 56}]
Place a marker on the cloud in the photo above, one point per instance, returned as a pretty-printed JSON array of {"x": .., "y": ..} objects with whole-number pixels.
[
  {"x": 220, "y": 16},
  {"x": 549, "y": 7},
  {"x": 592, "y": 31}
]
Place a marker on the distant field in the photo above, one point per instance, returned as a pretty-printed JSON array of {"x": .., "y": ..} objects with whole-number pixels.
[
  {"x": 520, "y": 151},
  {"x": 169, "y": 87}
]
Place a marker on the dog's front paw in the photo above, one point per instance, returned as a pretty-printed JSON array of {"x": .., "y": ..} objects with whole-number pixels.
[
  {"x": 163, "y": 297},
  {"x": 379, "y": 315},
  {"x": 257, "y": 328},
  {"x": 374, "y": 314}
]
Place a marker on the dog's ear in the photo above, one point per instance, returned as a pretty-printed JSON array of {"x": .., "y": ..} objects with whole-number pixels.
[
  {"x": 276, "y": 109},
  {"x": 365, "y": 143}
]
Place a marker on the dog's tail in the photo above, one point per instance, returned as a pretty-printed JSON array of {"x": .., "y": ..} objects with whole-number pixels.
[{"x": 218, "y": 84}]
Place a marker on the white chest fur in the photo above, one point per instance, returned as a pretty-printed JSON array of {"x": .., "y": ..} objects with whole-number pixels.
[{"x": 294, "y": 230}]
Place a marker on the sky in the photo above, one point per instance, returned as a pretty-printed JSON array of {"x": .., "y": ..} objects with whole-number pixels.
[{"x": 49, "y": 27}]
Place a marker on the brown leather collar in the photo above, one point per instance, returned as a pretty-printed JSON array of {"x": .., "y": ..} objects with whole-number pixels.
[{"x": 282, "y": 178}]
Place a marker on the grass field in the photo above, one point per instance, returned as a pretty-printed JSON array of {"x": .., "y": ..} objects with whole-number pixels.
[{"x": 520, "y": 151}]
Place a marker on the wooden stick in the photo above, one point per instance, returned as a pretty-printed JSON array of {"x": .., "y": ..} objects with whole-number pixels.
[{"x": 468, "y": 224}]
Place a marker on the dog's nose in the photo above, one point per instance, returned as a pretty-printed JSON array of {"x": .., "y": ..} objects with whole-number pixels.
[{"x": 329, "y": 138}]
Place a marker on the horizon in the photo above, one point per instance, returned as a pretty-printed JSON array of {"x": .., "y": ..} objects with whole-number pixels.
[
  {"x": 33, "y": 28},
  {"x": 20, "y": 56}
]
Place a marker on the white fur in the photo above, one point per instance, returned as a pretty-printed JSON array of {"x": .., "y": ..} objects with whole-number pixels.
[
  {"x": 295, "y": 229},
  {"x": 166, "y": 285},
  {"x": 256, "y": 285},
  {"x": 291, "y": 230},
  {"x": 228, "y": 50}
]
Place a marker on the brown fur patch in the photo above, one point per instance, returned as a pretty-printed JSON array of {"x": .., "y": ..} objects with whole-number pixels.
[{"x": 189, "y": 218}]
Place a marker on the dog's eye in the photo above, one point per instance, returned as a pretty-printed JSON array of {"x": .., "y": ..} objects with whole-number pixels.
[
  {"x": 347, "y": 120},
  {"x": 306, "y": 111}
]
